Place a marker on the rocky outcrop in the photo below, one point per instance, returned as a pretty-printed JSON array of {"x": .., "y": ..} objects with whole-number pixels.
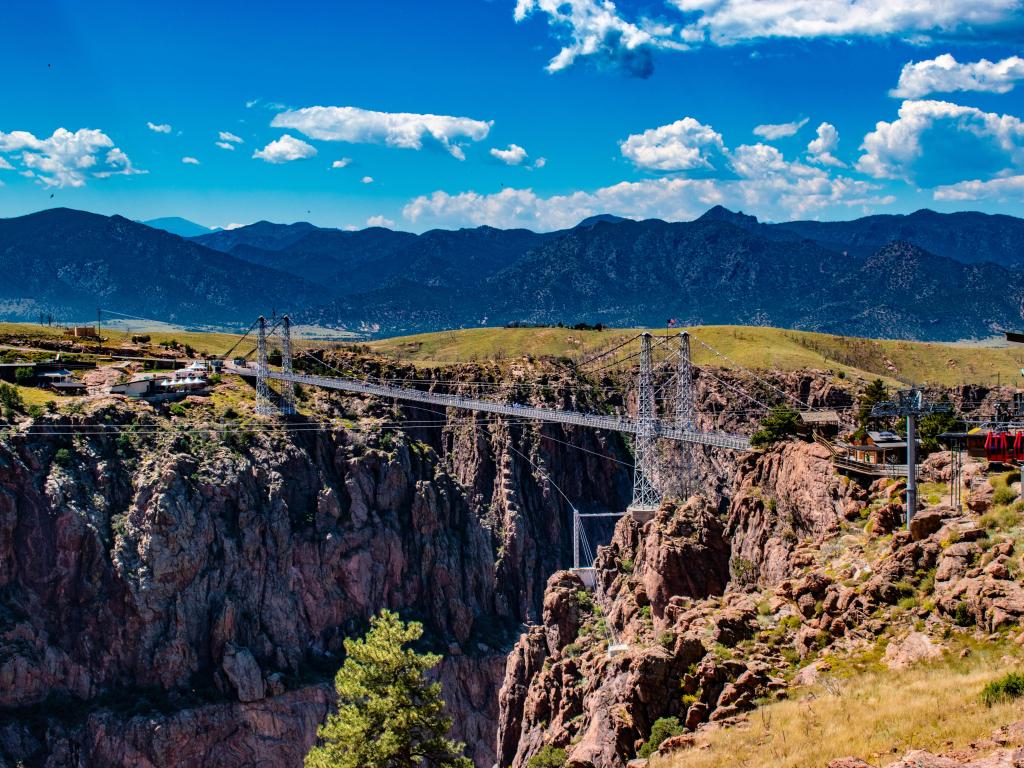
[{"x": 782, "y": 496}]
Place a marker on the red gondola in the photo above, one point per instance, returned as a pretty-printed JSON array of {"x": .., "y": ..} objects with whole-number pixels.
[{"x": 996, "y": 448}]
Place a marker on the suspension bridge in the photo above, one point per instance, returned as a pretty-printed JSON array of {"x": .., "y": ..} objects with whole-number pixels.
[{"x": 646, "y": 427}]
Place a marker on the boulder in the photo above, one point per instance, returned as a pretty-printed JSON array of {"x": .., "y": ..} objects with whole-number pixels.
[
  {"x": 913, "y": 648},
  {"x": 926, "y": 522},
  {"x": 243, "y": 671}
]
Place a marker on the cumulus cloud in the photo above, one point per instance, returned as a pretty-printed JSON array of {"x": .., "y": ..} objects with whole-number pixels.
[
  {"x": 773, "y": 131},
  {"x": 66, "y": 158},
  {"x": 725, "y": 22},
  {"x": 159, "y": 127},
  {"x": 684, "y": 145},
  {"x": 821, "y": 150},
  {"x": 394, "y": 129},
  {"x": 190, "y": 160},
  {"x": 891, "y": 150},
  {"x": 760, "y": 179},
  {"x": 514, "y": 155},
  {"x": 344, "y": 162},
  {"x": 380, "y": 221},
  {"x": 1002, "y": 189},
  {"x": 599, "y": 31},
  {"x": 367, "y": 180},
  {"x": 596, "y": 29},
  {"x": 944, "y": 74},
  {"x": 285, "y": 149}
]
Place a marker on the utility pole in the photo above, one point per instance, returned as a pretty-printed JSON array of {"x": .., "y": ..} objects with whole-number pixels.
[
  {"x": 645, "y": 496},
  {"x": 910, "y": 404}
]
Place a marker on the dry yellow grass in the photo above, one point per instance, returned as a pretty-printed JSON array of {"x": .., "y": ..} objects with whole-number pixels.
[
  {"x": 751, "y": 347},
  {"x": 876, "y": 716}
]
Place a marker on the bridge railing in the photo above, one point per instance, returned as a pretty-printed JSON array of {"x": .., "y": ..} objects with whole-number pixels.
[{"x": 597, "y": 421}]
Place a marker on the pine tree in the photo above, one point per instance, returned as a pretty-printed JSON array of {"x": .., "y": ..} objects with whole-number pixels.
[
  {"x": 389, "y": 715},
  {"x": 875, "y": 392}
]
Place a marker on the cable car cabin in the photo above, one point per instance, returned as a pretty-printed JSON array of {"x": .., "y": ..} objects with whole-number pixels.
[{"x": 1004, "y": 447}]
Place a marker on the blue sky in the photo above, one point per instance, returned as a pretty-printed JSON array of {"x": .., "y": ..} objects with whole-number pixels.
[{"x": 511, "y": 112}]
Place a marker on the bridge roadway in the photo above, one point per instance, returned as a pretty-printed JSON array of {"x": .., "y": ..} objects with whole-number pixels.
[{"x": 614, "y": 423}]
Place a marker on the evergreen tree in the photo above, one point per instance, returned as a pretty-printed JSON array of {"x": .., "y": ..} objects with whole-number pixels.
[
  {"x": 876, "y": 392},
  {"x": 781, "y": 422},
  {"x": 389, "y": 715}
]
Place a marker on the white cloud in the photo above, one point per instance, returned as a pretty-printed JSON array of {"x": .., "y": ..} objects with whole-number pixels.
[
  {"x": 684, "y": 145},
  {"x": 5, "y": 166},
  {"x": 380, "y": 221},
  {"x": 725, "y": 22},
  {"x": 393, "y": 129},
  {"x": 159, "y": 127},
  {"x": 540, "y": 162},
  {"x": 773, "y": 131},
  {"x": 1003, "y": 189},
  {"x": 595, "y": 28},
  {"x": 891, "y": 150},
  {"x": 514, "y": 155},
  {"x": 821, "y": 150},
  {"x": 190, "y": 161},
  {"x": 285, "y": 149},
  {"x": 225, "y": 145},
  {"x": 599, "y": 31},
  {"x": 944, "y": 74},
  {"x": 367, "y": 180},
  {"x": 764, "y": 182},
  {"x": 65, "y": 158},
  {"x": 230, "y": 137},
  {"x": 343, "y": 163}
]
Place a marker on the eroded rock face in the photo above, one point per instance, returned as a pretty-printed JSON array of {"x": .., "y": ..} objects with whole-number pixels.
[
  {"x": 166, "y": 573},
  {"x": 782, "y": 496},
  {"x": 562, "y": 684}
]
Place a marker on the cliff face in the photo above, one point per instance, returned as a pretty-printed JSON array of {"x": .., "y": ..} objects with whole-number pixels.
[
  {"x": 697, "y": 614},
  {"x": 168, "y": 597},
  {"x": 171, "y": 595}
]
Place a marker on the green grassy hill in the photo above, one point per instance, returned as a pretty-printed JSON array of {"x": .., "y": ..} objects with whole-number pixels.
[{"x": 751, "y": 347}]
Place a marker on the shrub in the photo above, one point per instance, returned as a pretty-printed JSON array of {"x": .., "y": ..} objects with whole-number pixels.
[
  {"x": 62, "y": 457},
  {"x": 24, "y": 376},
  {"x": 35, "y": 411},
  {"x": 10, "y": 397},
  {"x": 781, "y": 422},
  {"x": 962, "y": 616},
  {"x": 548, "y": 757},
  {"x": 1009, "y": 686},
  {"x": 177, "y": 409},
  {"x": 663, "y": 728},
  {"x": 1003, "y": 495}
]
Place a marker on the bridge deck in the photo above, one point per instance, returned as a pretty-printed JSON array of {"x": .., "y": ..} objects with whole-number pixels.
[{"x": 614, "y": 423}]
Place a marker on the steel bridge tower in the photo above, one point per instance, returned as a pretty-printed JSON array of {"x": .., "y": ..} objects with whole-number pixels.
[
  {"x": 645, "y": 496},
  {"x": 685, "y": 413},
  {"x": 263, "y": 405},
  {"x": 287, "y": 387}
]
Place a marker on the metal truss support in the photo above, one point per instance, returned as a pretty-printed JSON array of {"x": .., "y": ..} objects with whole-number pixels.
[
  {"x": 645, "y": 496},
  {"x": 263, "y": 405},
  {"x": 685, "y": 412},
  {"x": 287, "y": 387}
]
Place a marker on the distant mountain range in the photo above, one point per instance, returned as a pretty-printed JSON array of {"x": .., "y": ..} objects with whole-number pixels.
[
  {"x": 179, "y": 226},
  {"x": 68, "y": 263},
  {"x": 926, "y": 275}
]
